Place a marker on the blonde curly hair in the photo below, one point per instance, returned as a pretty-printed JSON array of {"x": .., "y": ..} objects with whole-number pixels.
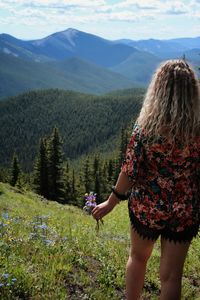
[{"x": 171, "y": 107}]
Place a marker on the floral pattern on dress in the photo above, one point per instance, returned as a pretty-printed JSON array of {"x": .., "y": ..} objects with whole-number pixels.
[{"x": 166, "y": 185}]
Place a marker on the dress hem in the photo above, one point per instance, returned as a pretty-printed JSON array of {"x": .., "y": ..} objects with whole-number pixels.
[{"x": 152, "y": 234}]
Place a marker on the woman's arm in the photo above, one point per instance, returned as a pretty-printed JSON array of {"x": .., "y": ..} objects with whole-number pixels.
[
  {"x": 122, "y": 186},
  {"x": 123, "y": 183},
  {"x": 127, "y": 176}
]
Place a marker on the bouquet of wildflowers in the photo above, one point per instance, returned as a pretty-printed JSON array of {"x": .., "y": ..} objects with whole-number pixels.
[{"x": 90, "y": 202}]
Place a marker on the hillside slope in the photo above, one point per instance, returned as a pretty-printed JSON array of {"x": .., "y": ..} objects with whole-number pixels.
[
  {"x": 84, "y": 121},
  {"x": 18, "y": 75},
  {"x": 52, "y": 251},
  {"x": 138, "y": 68}
]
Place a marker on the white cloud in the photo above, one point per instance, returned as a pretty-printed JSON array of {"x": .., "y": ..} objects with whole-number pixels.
[
  {"x": 75, "y": 13},
  {"x": 63, "y": 3},
  {"x": 53, "y": 2},
  {"x": 141, "y": 4},
  {"x": 120, "y": 10}
]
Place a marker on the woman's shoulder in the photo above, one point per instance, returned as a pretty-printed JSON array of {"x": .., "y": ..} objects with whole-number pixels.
[
  {"x": 140, "y": 135},
  {"x": 137, "y": 131}
]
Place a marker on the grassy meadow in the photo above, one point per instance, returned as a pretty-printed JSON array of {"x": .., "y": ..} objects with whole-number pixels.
[{"x": 51, "y": 251}]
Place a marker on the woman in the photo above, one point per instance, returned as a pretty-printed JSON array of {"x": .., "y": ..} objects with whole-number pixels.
[{"x": 161, "y": 169}]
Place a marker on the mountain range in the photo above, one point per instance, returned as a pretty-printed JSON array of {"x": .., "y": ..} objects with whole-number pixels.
[{"x": 80, "y": 61}]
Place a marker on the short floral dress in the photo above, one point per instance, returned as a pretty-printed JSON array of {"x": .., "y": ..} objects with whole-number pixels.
[{"x": 165, "y": 194}]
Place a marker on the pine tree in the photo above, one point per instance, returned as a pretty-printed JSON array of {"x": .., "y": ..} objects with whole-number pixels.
[
  {"x": 123, "y": 145},
  {"x": 105, "y": 183},
  {"x": 4, "y": 174},
  {"x": 80, "y": 191},
  {"x": 56, "y": 183},
  {"x": 68, "y": 193},
  {"x": 110, "y": 170},
  {"x": 40, "y": 181},
  {"x": 15, "y": 170},
  {"x": 73, "y": 189},
  {"x": 122, "y": 151},
  {"x": 97, "y": 178},
  {"x": 87, "y": 175}
]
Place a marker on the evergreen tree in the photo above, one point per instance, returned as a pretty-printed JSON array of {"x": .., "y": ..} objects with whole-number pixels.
[
  {"x": 97, "y": 178},
  {"x": 73, "y": 189},
  {"x": 110, "y": 170},
  {"x": 56, "y": 183},
  {"x": 67, "y": 181},
  {"x": 80, "y": 189},
  {"x": 4, "y": 174},
  {"x": 105, "y": 183},
  {"x": 122, "y": 151},
  {"x": 15, "y": 170},
  {"x": 40, "y": 181},
  {"x": 87, "y": 176},
  {"x": 123, "y": 145}
]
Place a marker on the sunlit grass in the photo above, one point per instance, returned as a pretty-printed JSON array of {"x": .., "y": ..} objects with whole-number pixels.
[{"x": 50, "y": 251}]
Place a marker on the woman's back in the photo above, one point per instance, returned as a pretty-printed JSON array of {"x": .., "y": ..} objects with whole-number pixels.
[{"x": 166, "y": 189}]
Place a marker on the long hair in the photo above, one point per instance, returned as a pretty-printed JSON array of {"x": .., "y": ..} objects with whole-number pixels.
[{"x": 171, "y": 107}]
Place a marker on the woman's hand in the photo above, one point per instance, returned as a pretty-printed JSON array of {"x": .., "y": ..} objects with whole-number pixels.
[
  {"x": 123, "y": 185},
  {"x": 103, "y": 209}
]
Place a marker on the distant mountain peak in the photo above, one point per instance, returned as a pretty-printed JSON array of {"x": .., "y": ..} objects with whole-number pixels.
[
  {"x": 70, "y": 34},
  {"x": 71, "y": 30}
]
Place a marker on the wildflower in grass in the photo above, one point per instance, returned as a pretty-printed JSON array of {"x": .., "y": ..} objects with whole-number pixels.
[
  {"x": 17, "y": 220},
  {"x": 2, "y": 224},
  {"x": 5, "y": 216},
  {"x": 42, "y": 218},
  {"x": 33, "y": 235},
  {"x": 90, "y": 202},
  {"x": 64, "y": 238},
  {"x": 42, "y": 232},
  {"x": 3, "y": 228},
  {"x": 48, "y": 242},
  {"x": 42, "y": 226},
  {"x": 7, "y": 280}
]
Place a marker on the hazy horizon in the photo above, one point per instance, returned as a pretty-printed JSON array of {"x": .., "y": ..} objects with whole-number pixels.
[{"x": 122, "y": 38}]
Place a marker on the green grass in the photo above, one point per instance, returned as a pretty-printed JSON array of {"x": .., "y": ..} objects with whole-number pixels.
[{"x": 50, "y": 251}]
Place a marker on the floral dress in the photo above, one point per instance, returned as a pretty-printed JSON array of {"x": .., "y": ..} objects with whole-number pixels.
[{"x": 166, "y": 186}]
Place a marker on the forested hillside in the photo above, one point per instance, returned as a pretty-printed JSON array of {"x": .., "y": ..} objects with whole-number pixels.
[
  {"x": 18, "y": 75},
  {"x": 84, "y": 121}
]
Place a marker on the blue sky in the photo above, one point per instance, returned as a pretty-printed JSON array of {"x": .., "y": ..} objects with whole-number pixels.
[{"x": 112, "y": 19}]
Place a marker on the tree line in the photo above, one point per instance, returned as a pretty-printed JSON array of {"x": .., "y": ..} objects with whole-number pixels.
[{"x": 54, "y": 178}]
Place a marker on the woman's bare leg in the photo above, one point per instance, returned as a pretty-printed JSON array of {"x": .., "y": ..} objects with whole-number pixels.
[
  {"x": 171, "y": 268},
  {"x": 140, "y": 252}
]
